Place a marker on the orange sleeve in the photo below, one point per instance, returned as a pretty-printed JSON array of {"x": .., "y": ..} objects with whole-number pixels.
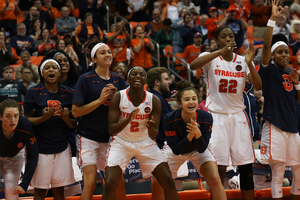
[
  {"x": 186, "y": 52},
  {"x": 100, "y": 33},
  {"x": 77, "y": 31},
  {"x": 55, "y": 13},
  {"x": 75, "y": 12},
  {"x": 211, "y": 27}
]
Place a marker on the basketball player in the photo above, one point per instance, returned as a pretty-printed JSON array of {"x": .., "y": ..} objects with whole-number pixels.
[
  {"x": 134, "y": 116},
  {"x": 91, "y": 100},
  {"x": 225, "y": 73},
  {"x": 16, "y": 133},
  {"x": 280, "y": 144}
]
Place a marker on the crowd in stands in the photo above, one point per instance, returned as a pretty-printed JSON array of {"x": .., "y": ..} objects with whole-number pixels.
[{"x": 69, "y": 40}]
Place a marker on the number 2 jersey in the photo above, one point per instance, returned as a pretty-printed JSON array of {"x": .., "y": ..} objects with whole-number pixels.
[
  {"x": 279, "y": 97},
  {"x": 136, "y": 130},
  {"x": 225, "y": 84}
]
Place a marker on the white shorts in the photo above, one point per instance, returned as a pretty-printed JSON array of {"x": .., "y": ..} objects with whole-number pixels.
[
  {"x": 175, "y": 161},
  {"x": 90, "y": 152},
  {"x": 231, "y": 139},
  {"x": 11, "y": 168},
  {"x": 279, "y": 145},
  {"x": 53, "y": 170},
  {"x": 146, "y": 152}
]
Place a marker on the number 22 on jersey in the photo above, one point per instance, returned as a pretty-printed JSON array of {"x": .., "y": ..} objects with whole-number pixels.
[{"x": 228, "y": 86}]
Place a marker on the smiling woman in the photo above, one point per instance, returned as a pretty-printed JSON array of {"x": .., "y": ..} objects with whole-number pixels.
[{"x": 47, "y": 106}]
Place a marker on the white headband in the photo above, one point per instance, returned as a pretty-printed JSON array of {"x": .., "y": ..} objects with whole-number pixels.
[
  {"x": 276, "y": 45},
  {"x": 94, "y": 50},
  {"x": 133, "y": 68},
  {"x": 45, "y": 62}
]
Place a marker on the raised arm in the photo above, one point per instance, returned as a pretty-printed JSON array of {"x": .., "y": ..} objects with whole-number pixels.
[
  {"x": 266, "y": 53},
  {"x": 253, "y": 76}
]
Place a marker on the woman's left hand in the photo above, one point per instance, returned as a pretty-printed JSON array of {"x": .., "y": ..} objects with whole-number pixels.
[
  {"x": 294, "y": 76},
  {"x": 63, "y": 113},
  {"x": 250, "y": 53},
  {"x": 150, "y": 123},
  {"x": 193, "y": 128},
  {"x": 18, "y": 190}
]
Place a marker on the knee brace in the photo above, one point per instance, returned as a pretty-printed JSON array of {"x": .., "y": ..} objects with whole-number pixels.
[
  {"x": 295, "y": 189},
  {"x": 278, "y": 169},
  {"x": 246, "y": 177}
]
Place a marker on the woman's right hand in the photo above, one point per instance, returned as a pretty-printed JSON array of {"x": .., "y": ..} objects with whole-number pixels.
[
  {"x": 228, "y": 47},
  {"x": 48, "y": 112},
  {"x": 276, "y": 10}
]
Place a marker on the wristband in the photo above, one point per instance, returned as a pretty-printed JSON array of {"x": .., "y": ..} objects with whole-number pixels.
[
  {"x": 271, "y": 23},
  {"x": 297, "y": 87}
]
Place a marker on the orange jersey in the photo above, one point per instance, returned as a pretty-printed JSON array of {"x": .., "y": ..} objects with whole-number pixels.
[
  {"x": 239, "y": 10},
  {"x": 143, "y": 58},
  {"x": 212, "y": 25},
  {"x": 75, "y": 12},
  {"x": 55, "y": 13},
  {"x": 190, "y": 53},
  {"x": 11, "y": 11},
  {"x": 120, "y": 44}
]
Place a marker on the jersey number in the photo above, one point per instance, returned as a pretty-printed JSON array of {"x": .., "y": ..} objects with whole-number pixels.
[
  {"x": 288, "y": 85},
  {"x": 53, "y": 103},
  {"x": 134, "y": 126},
  {"x": 227, "y": 86}
]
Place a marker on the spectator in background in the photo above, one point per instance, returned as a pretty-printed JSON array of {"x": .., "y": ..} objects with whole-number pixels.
[
  {"x": 177, "y": 40},
  {"x": 120, "y": 68},
  {"x": 213, "y": 44},
  {"x": 26, "y": 62},
  {"x": 169, "y": 9},
  {"x": 35, "y": 29},
  {"x": 118, "y": 42},
  {"x": 155, "y": 25},
  {"x": 206, "y": 5},
  {"x": 188, "y": 5},
  {"x": 203, "y": 29},
  {"x": 188, "y": 30},
  {"x": 72, "y": 10},
  {"x": 239, "y": 8},
  {"x": 26, "y": 77},
  {"x": 97, "y": 7},
  {"x": 238, "y": 26},
  {"x": 44, "y": 15},
  {"x": 9, "y": 88},
  {"x": 205, "y": 48},
  {"x": 142, "y": 47},
  {"x": 65, "y": 24},
  {"x": 45, "y": 44},
  {"x": 294, "y": 36},
  {"x": 202, "y": 97},
  {"x": 87, "y": 29},
  {"x": 287, "y": 14},
  {"x": 192, "y": 51},
  {"x": 158, "y": 80},
  {"x": 214, "y": 22},
  {"x": 260, "y": 13},
  {"x": 60, "y": 44},
  {"x": 70, "y": 51},
  {"x": 281, "y": 26},
  {"x": 164, "y": 37},
  {"x": 9, "y": 10},
  {"x": 54, "y": 13},
  {"x": 138, "y": 10},
  {"x": 36, "y": 12},
  {"x": 6, "y": 56},
  {"x": 295, "y": 9},
  {"x": 83, "y": 54},
  {"x": 21, "y": 41}
]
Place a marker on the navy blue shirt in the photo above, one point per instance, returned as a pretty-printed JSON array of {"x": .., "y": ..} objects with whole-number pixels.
[
  {"x": 279, "y": 97},
  {"x": 23, "y": 136},
  {"x": 166, "y": 108},
  {"x": 52, "y": 135},
  {"x": 94, "y": 125},
  {"x": 236, "y": 26},
  {"x": 175, "y": 131},
  {"x": 187, "y": 34}
]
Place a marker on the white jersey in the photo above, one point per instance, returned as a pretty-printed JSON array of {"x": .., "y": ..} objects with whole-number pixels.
[
  {"x": 225, "y": 84},
  {"x": 136, "y": 130}
]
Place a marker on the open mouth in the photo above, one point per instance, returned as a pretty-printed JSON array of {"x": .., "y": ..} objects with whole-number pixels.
[{"x": 51, "y": 76}]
